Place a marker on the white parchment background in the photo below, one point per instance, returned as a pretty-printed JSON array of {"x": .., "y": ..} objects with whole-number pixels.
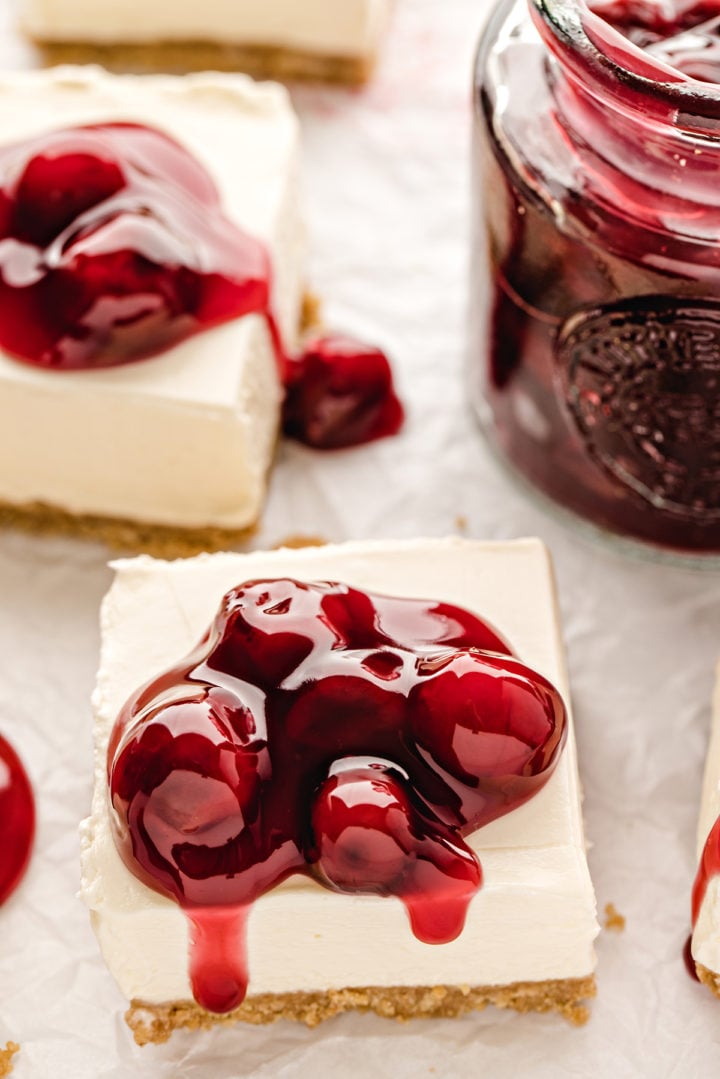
[{"x": 387, "y": 194}]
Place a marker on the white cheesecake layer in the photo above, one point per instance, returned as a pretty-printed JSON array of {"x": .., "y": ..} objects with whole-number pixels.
[
  {"x": 533, "y": 919},
  {"x": 706, "y": 935},
  {"x": 332, "y": 27},
  {"x": 186, "y": 438}
]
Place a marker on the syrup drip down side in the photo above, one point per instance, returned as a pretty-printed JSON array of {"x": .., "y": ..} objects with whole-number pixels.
[{"x": 353, "y": 738}]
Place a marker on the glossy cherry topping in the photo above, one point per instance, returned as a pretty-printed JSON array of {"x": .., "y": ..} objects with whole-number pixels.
[
  {"x": 340, "y": 393},
  {"x": 318, "y": 729},
  {"x": 709, "y": 867},
  {"x": 114, "y": 247},
  {"x": 17, "y": 820}
]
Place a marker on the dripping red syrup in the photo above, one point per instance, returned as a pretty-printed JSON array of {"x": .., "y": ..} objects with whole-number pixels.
[
  {"x": 317, "y": 729},
  {"x": 709, "y": 867},
  {"x": 17, "y": 820},
  {"x": 114, "y": 247}
]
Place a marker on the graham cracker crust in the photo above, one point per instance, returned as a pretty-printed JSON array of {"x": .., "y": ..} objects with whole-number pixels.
[
  {"x": 708, "y": 978},
  {"x": 119, "y": 534},
  {"x": 154, "y": 1023},
  {"x": 178, "y": 57},
  {"x": 298, "y": 542}
]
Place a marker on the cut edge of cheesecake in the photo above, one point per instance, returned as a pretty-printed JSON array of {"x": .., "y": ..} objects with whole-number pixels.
[
  {"x": 179, "y": 57},
  {"x": 155, "y": 1023},
  {"x": 127, "y": 535}
]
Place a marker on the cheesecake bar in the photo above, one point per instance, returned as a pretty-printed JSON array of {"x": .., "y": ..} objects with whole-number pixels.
[
  {"x": 317, "y": 40},
  {"x": 345, "y": 645},
  {"x": 168, "y": 453},
  {"x": 705, "y": 943}
]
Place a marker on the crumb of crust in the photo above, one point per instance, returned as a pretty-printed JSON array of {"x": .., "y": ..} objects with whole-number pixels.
[
  {"x": 155, "y": 1023},
  {"x": 296, "y": 543},
  {"x": 708, "y": 978},
  {"x": 311, "y": 314},
  {"x": 614, "y": 921},
  {"x": 461, "y": 522},
  {"x": 6, "y": 1055}
]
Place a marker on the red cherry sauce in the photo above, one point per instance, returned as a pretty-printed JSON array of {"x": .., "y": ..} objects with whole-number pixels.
[
  {"x": 340, "y": 393},
  {"x": 17, "y": 820},
  {"x": 321, "y": 730},
  {"x": 709, "y": 867},
  {"x": 114, "y": 247},
  {"x": 680, "y": 39}
]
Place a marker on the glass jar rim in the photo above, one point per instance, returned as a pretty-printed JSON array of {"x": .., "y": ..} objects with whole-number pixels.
[{"x": 576, "y": 36}]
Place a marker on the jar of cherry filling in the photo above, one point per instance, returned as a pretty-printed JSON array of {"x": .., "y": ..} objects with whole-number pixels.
[{"x": 595, "y": 344}]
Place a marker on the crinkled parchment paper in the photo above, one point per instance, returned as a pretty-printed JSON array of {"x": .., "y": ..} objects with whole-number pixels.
[{"x": 387, "y": 190}]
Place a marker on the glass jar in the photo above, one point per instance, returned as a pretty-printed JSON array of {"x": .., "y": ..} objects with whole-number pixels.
[{"x": 595, "y": 337}]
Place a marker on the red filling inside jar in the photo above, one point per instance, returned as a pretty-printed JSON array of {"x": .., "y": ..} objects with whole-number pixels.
[
  {"x": 596, "y": 323},
  {"x": 682, "y": 35},
  {"x": 17, "y": 820}
]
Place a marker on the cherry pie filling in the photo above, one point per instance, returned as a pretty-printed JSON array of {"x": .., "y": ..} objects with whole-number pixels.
[
  {"x": 317, "y": 729},
  {"x": 114, "y": 247}
]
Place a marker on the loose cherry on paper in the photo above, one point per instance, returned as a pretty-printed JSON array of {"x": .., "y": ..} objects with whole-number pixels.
[
  {"x": 17, "y": 820},
  {"x": 340, "y": 393}
]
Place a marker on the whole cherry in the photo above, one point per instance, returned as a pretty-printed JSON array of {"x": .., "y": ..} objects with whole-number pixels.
[
  {"x": 17, "y": 820},
  {"x": 363, "y": 828},
  {"x": 491, "y": 723},
  {"x": 340, "y": 393},
  {"x": 59, "y": 185}
]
